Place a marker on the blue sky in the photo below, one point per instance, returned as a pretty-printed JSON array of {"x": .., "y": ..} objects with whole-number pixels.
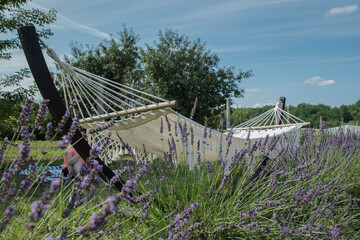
[{"x": 305, "y": 50}]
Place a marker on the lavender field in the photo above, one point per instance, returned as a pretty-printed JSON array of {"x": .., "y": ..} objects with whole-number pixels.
[{"x": 307, "y": 191}]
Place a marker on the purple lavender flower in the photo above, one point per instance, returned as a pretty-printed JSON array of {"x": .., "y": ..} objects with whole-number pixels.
[
  {"x": 175, "y": 129},
  {"x": 73, "y": 199},
  {"x": 171, "y": 214},
  {"x": 38, "y": 207},
  {"x": 263, "y": 144},
  {"x": 97, "y": 166},
  {"x": 205, "y": 132},
  {"x": 269, "y": 203},
  {"x": 66, "y": 116},
  {"x": 193, "y": 110},
  {"x": 66, "y": 139},
  {"x": 250, "y": 226},
  {"x": 24, "y": 150},
  {"x": 6, "y": 181},
  {"x": 3, "y": 148},
  {"x": 161, "y": 126},
  {"x": 48, "y": 131},
  {"x": 131, "y": 153},
  {"x": 219, "y": 228},
  {"x": 98, "y": 220},
  {"x": 102, "y": 127},
  {"x": 177, "y": 225},
  {"x": 229, "y": 140},
  {"x": 224, "y": 182},
  {"x": 62, "y": 236},
  {"x": 40, "y": 115},
  {"x": 168, "y": 124},
  {"x": 191, "y": 136},
  {"x": 25, "y": 112},
  {"x": 9, "y": 212}
]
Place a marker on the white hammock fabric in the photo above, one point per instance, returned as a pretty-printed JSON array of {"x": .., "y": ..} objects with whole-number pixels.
[{"x": 99, "y": 96}]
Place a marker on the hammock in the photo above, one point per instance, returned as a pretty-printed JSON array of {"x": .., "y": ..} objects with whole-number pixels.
[
  {"x": 145, "y": 120},
  {"x": 273, "y": 122}
]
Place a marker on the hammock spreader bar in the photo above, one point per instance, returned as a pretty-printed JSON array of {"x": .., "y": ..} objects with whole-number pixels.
[{"x": 147, "y": 108}]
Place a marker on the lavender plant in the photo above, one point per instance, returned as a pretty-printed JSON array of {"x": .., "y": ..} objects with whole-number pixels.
[{"x": 270, "y": 191}]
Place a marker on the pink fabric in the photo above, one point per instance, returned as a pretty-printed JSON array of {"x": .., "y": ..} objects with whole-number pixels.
[{"x": 73, "y": 152}]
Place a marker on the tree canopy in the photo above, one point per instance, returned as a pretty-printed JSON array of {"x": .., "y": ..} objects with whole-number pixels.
[
  {"x": 115, "y": 59},
  {"x": 177, "y": 68},
  {"x": 12, "y": 92}
]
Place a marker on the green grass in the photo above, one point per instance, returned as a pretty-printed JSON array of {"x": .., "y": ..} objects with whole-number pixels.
[{"x": 53, "y": 151}]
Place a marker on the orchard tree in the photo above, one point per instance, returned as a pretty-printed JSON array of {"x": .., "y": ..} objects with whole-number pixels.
[
  {"x": 12, "y": 92},
  {"x": 115, "y": 59},
  {"x": 177, "y": 68},
  {"x": 13, "y": 15}
]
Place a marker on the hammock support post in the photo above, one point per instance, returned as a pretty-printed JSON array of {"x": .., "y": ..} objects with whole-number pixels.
[
  {"x": 30, "y": 44},
  {"x": 228, "y": 113},
  {"x": 282, "y": 107}
]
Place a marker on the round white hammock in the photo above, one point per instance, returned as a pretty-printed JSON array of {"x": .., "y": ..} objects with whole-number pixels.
[{"x": 142, "y": 119}]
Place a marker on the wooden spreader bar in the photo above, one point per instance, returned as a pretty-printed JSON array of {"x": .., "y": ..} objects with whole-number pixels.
[{"x": 141, "y": 109}]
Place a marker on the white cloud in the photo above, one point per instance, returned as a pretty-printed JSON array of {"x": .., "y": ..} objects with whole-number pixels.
[
  {"x": 65, "y": 22},
  {"x": 18, "y": 61},
  {"x": 269, "y": 102},
  {"x": 258, "y": 105},
  {"x": 319, "y": 81},
  {"x": 254, "y": 90},
  {"x": 326, "y": 83},
  {"x": 341, "y": 10}
]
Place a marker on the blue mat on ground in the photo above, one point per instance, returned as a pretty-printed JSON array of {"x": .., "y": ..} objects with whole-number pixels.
[{"x": 52, "y": 172}]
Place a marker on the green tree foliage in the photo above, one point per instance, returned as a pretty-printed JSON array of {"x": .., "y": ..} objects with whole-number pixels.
[
  {"x": 115, "y": 59},
  {"x": 177, "y": 68},
  {"x": 12, "y": 92},
  {"x": 13, "y": 16}
]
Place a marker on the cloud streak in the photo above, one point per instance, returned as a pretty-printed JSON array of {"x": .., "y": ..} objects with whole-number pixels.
[
  {"x": 321, "y": 82},
  {"x": 341, "y": 10},
  {"x": 225, "y": 8},
  {"x": 66, "y": 22}
]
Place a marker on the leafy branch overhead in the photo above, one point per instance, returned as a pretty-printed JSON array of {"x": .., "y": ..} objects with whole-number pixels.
[{"x": 13, "y": 15}]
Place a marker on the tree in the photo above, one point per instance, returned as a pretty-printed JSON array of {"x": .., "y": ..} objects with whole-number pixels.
[
  {"x": 115, "y": 59},
  {"x": 12, "y": 16},
  {"x": 177, "y": 68}
]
